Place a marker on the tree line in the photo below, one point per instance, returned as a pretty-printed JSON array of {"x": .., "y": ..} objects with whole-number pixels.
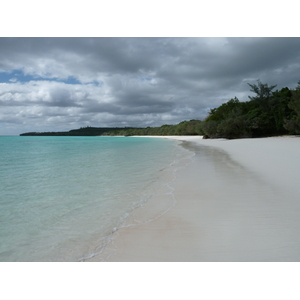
[
  {"x": 192, "y": 127},
  {"x": 267, "y": 113},
  {"x": 83, "y": 131}
]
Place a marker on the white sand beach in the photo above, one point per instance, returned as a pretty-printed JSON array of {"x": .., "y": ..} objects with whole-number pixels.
[{"x": 236, "y": 200}]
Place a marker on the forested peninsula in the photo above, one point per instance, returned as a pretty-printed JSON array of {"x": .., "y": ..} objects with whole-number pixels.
[
  {"x": 268, "y": 113},
  {"x": 84, "y": 131}
]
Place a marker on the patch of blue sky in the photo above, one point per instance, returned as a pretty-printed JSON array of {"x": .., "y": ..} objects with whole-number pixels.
[
  {"x": 145, "y": 79},
  {"x": 19, "y": 76}
]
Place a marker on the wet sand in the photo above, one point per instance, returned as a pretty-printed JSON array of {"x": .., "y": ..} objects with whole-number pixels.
[{"x": 236, "y": 200}]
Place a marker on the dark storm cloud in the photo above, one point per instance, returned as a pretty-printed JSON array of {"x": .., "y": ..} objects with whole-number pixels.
[
  {"x": 72, "y": 82},
  {"x": 250, "y": 57},
  {"x": 85, "y": 55}
]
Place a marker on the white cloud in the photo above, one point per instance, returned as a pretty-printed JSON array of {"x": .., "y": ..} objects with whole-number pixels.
[{"x": 134, "y": 81}]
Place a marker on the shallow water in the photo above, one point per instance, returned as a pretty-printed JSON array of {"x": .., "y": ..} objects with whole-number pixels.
[{"x": 62, "y": 197}]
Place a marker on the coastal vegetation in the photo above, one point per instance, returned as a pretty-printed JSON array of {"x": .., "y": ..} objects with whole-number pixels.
[
  {"x": 269, "y": 112},
  {"x": 192, "y": 127},
  {"x": 83, "y": 131}
]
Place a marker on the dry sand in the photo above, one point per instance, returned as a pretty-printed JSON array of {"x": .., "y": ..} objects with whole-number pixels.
[{"x": 236, "y": 200}]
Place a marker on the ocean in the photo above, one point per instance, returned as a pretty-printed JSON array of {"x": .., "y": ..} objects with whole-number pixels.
[{"x": 61, "y": 198}]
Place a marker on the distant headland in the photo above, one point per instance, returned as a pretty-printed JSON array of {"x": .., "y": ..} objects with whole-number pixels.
[{"x": 83, "y": 131}]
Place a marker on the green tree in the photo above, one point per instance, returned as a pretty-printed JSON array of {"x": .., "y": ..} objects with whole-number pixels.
[
  {"x": 236, "y": 125},
  {"x": 262, "y": 90},
  {"x": 292, "y": 122},
  {"x": 260, "y": 109},
  {"x": 209, "y": 128},
  {"x": 220, "y": 113},
  {"x": 280, "y": 109}
]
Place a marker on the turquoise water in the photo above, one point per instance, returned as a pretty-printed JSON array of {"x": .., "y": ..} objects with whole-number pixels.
[{"x": 62, "y": 197}]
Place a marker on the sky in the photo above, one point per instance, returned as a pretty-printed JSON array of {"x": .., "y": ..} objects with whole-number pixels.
[{"x": 59, "y": 84}]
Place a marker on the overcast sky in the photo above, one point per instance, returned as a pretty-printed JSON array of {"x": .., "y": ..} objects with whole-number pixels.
[{"x": 58, "y": 84}]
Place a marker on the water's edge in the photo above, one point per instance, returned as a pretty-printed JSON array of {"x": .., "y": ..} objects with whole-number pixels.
[{"x": 161, "y": 201}]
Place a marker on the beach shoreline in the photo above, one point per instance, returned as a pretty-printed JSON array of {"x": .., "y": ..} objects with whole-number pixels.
[{"x": 235, "y": 201}]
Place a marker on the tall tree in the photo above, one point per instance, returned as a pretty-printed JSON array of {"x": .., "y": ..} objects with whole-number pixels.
[
  {"x": 260, "y": 113},
  {"x": 262, "y": 90}
]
